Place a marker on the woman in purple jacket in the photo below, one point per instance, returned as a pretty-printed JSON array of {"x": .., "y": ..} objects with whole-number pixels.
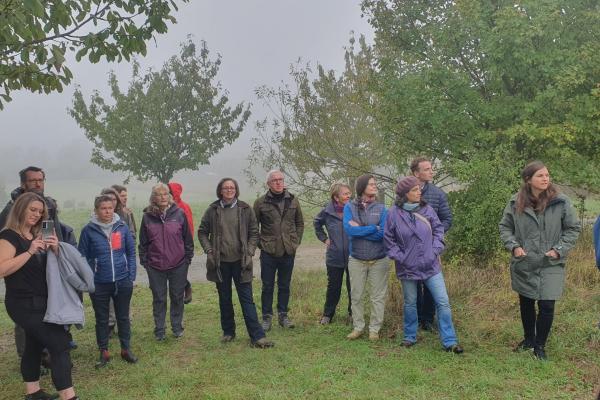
[
  {"x": 166, "y": 249},
  {"x": 413, "y": 238}
]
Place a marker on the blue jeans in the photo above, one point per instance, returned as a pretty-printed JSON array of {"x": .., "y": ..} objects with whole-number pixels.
[
  {"x": 437, "y": 287},
  {"x": 120, "y": 292},
  {"x": 232, "y": 271},
  {"x": 283, "y": 267}
]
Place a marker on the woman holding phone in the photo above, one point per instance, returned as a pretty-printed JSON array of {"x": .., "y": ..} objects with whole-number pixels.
[{"x": 23, "y": 267}]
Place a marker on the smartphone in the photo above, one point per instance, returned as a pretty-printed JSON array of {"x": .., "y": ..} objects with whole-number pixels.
[{"x": 47, "y": 228}]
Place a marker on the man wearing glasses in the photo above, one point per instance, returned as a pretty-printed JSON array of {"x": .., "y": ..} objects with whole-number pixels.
[{"x": 281, "y": 226}]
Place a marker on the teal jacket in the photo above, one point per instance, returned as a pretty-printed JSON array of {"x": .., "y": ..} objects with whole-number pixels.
[{"x": 535, "y": 275}]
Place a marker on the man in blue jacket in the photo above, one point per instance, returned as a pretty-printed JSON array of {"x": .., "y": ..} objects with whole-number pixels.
[{"x": 437, "y": 199}]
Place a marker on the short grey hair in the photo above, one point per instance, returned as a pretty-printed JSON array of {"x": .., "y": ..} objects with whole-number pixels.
[{"x": 271, "y": 173}]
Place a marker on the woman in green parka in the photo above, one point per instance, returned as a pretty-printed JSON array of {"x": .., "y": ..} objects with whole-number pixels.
[{"x": 539, "y": 227}]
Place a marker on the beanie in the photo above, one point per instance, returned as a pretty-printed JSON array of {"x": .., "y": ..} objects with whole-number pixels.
[{"x": 405, "y": 184}]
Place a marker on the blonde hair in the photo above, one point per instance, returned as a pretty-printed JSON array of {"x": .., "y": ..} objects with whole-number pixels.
[
  {"x": 153, "y": 207},
  {"x": 16, "y": 217},
  {"x": 336, "y": 187}
]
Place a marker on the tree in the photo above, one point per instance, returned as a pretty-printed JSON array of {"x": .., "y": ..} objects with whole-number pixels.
[
  {"x": 37, "y": 35},
  {"x": 487, "y": 86},
  {"x": 168, "y": 120},
  {"x": 322, "y": 129}
]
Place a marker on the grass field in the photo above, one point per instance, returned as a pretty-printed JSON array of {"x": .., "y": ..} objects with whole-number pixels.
[{"x": 313, "y": 361}]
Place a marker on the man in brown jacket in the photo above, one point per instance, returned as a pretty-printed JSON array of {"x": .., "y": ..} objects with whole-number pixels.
[{"x": 281, "y": 226}]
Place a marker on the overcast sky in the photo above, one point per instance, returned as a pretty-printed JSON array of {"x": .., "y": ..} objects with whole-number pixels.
[{"x": 258, "y": 40}]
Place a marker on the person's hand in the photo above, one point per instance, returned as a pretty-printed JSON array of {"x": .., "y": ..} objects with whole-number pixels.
[
  {"x": 52, "y": 242},
  {"x": 327, "y": 242},
  {"x": 37, "y": 244},
  {"x": 553, "y": 254},
  {"x": 353, "y": 223},
  {"x": 519, "y": 252}
]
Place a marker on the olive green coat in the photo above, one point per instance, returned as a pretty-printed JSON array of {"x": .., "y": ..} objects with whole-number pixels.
[
  {"x": 210, "y": 236},
  {"x": 535, "y": 275},
  {"x": 280, "y": 229}
]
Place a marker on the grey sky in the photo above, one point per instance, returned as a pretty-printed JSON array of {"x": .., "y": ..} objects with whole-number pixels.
[{"x": 258, "y": 40}]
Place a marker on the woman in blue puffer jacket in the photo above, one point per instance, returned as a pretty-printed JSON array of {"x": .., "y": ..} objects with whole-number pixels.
[{"x": 108, "y": 246}]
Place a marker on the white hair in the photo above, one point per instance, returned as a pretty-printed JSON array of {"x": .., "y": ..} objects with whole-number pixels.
[{"x": 271, "y": 173}]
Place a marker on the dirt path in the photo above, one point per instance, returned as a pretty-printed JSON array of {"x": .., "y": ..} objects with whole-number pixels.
[{"x": 311, "y": 256}]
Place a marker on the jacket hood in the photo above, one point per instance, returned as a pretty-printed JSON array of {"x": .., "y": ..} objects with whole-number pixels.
[
  {"x": 16, "y": 193},
  {"x": 176, "y": 190},
  {"x": 95, "y": 221}
]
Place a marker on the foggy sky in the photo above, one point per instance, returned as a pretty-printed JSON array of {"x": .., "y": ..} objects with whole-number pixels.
[{"x": 258, "y": 40}]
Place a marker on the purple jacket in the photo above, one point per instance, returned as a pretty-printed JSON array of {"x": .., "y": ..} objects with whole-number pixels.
[
  {"x": 413, "y": 244},
  {"x": 165, "y": 242}
]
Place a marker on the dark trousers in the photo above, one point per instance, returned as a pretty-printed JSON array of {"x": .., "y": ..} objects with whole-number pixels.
[
  {"x": 536, "y": 328},
  {"x": 335, "y": 277},
  {"x": 174, "y": 281},
  {"x": 269, "y": 267},
  {"x": 28, "y": 313},
  {"x": 232, "y": 271},
  {"x": 425, "y": 304},
  {"x": 120, "y": 292}
]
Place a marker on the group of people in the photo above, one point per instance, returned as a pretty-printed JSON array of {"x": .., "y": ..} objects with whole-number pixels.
[{"x": 362, "y": 236}]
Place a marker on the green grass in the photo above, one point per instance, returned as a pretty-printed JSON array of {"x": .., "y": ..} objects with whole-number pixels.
[{"x": 313, "y": 361}]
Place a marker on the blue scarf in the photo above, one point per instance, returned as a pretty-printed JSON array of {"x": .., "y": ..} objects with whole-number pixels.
[{"x": 410, "y": 207}]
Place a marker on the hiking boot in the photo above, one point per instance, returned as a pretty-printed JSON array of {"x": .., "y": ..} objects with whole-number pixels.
[
  {"x": 373, "y": 336},
  {"x": 325, "y": 320},
  {"x": 41, "y": 395},
  {"x": 285, "y": 322},
  {"x": 540, "y": 353},
  {"x": 227, "y": 338},
  {"x": 187, "y": 296},
  {"x": 103, "y": 359},
  {"x": 267, "y": 321},
  {"x": 524, "y": 345},
  {"x": 128, "y": 356},
  {"x": 407, "y": 343},
  {"x": 160, "y": 338},
  {"x": 455, "y": 348},
  {"x": 354, "y": 335},
  {"x": 262, "y": 343},
  {"x": 178, "y": 335}
]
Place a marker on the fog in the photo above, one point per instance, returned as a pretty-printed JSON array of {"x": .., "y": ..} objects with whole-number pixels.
[{"x": 258, "y": 41}]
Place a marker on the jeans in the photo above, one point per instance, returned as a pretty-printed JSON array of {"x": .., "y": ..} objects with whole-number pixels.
[
  {"x": 425, "y": 304},
  {"x": 29, "y": 313},
  {"x": 283, "y": 267},
  {"x": 335, "y": 277},
  {"x": 120, "y": 293},
  {"x": 536, "y": 329},
  {"x": 232, "y": 271},
  {"x": 375, "y": 273},
  {"x": 175, "y": 279},
  {"x": 437, "y": 287}
]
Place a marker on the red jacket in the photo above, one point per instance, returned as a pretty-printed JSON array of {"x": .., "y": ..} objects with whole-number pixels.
[{"x": 176, "y": 190}]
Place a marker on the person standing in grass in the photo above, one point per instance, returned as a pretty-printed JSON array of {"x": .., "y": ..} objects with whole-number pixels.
[
  {"x": 539, "y": 227},
  {"x": 228, "y": 234},
  {"x": 597, "y": 248},
  {"x": 330, "y": 219},
  {"x": 364, "y": 221},
  {"x": 281, "y": 223},
  {"x": 166, "y": 249},
  {"x": 413, "y": 238},
  {"x": 109, "y": 248}
]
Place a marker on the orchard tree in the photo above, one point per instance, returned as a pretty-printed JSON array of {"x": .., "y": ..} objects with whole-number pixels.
[
  {"x": 37, "y": 35},
  {"x": 168, "y": 120}
]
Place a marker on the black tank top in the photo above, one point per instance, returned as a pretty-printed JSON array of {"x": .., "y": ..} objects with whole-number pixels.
[{"x": 30, "y": 279}]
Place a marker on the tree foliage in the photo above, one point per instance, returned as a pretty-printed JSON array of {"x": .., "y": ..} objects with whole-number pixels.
[
  {"x": 168, "y": 120},
  {"x": 486, "y": 86},
  {"x": 37, "y": 35}
]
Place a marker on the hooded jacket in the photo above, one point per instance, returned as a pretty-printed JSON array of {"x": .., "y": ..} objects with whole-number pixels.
[
  {"x": 176, "y": 190},
  {"x": 165, "y": 239},
  {"x": 339, "y": 247},
  {"x": 112, "y": 257}
]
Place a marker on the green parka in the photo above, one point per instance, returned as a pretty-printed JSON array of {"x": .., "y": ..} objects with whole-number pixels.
[
  {"x": 535, "y": 275},
  {"x": 281, "y": 229},
  {"x": 210, "y": 235}
]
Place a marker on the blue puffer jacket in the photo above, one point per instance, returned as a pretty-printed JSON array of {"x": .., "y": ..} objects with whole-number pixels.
[
  {"x": 338, "y": 249},
  {"x": 112, "y": 259},
  {"x": 366, "y": 240},
  {"x": 597, "y": 241},
  {"x": 437, "y": 199}
]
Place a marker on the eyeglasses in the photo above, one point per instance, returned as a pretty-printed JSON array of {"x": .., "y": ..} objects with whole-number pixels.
[
  {"x": 35, "y": 180},
  {"x": 280, "y": 180}
]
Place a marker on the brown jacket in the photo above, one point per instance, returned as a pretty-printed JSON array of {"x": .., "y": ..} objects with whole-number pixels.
[
  {"x": 280, "y": 231},
  {"x": 210, "y": 237}
]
